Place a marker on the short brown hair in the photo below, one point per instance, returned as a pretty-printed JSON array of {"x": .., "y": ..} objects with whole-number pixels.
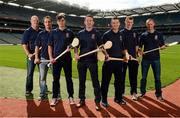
[
  {"x": 60, "y": 16},
  {"x": 114, "y": 18},
  {"x": 88, "y": 15},
  {"x": 47, "y": 17},
  {"x": 129, "y": 18}
]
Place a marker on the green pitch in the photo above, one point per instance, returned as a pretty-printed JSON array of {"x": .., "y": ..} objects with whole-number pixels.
[{"x": 12, "y": 58}]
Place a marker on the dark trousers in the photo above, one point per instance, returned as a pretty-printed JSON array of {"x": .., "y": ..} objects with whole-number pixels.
[
  {"x": 30, "y": 73},
  {"x": 82, "y": 70},
  {"x": 108, "y": 69},
  {"x": 56, "y": 70},
  {"x": 155, "y": 64},
  {"x": 133, "y": 72}
]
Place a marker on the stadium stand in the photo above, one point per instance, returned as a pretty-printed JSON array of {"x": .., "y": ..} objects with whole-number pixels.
[
  {"x": 15, "y": 19},
  {"x": 172, "y": 38},
  {"x": 10, "y": 38}
]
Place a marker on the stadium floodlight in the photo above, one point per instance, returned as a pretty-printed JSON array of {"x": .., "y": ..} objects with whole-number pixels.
[
  {"x": 53, "y": 12},
  {"x": 161, "y": 12},
  {"x": 145, "y": 14},
  {"x": 13, "y": 4},
  {"x": 28, "y": 7},
  {"x": 135, "y": 15},
  {"x": 40, "y": 9},
  {"x": 173, "y": 11},
  {"x": 82, "y": 16},
  {"x": 1, "y": 2},
  {"x": 72, "y": 15}
]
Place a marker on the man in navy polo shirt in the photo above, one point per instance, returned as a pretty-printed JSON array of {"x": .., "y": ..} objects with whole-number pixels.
[
  {"x": 28, "y": 44},
  {"x": 131, "y": 44},
  {"x": 89, "y": 40},
  {"x": 109, "y": 67},
  {"x": 42, "y": 42},
  {"x": 59, "y": 40},
  {"x": 151, "y": 39}
]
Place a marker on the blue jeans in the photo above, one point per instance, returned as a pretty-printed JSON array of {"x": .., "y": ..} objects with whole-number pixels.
[
  {"x": 43, "y": 69},
  {"x": 30, "y": 72},
  {"x": 156, "y": 67}
]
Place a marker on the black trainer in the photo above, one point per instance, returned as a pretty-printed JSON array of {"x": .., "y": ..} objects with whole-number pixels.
[
  {"x": 28, "y": 93},
  {"x": 98, "y": 107},
  {"x": 120, "y": 101},
  {"x": 160, "y": 98},
  {"x": 141, "y": 95},
  {"x": 104, "y": 104}
]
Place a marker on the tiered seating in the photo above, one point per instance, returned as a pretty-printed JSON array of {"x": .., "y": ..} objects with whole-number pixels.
[{"x": 10, "y": 38}]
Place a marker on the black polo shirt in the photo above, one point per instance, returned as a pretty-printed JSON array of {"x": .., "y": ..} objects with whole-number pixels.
[
  {"x": 29, "y": 37},
  {"x": 130, "y": 39},
  {"x": 151, "y": 41},
  {"x": 117, "y": 43},
  {"x": 42, "y": 41},
  {"x": 59, "y": 40},
  {"x": 89, "y": 40}
]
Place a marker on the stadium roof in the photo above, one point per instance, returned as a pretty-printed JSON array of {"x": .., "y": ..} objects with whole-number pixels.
[{"x": 77, "y": 10}]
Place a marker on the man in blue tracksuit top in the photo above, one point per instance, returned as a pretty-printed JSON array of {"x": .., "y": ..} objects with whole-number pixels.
[
  {"x": 89, "y": 40},
  {"x": 113, "y": 67},
  {"x": 151, "y": 39},
  {"x": 28, "y": 44},
  {"x": 131, "y": 44},
  {"x": 41, "y": 54},
  {"x": 59, "y": 40}
]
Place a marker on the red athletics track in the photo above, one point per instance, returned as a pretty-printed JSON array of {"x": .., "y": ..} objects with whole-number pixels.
[{"x": 148, "y": 106}]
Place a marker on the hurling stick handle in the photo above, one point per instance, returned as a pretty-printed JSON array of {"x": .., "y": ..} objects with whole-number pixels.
[
  {"x": 116, "y": 59},
  {"x": 151, "y": 50},
  {"x": 61, "y": 54},
  {"x": 58, "y": 57},
  {"x": 85, "y": 54}
]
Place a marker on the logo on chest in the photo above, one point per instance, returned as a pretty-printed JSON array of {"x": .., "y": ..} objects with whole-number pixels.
[
  {"x": 67, "y": 35},
  {"x": 156, "y": 37},
  {"x": 120, "y": 38},
  {"x": 93, "y": 36},
  {"x": 134, "y": 35}
]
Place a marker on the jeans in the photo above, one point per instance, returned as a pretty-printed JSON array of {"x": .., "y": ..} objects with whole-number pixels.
[
  {"x": 155, "y": 64},
  {"x": 43, "y": 69},
  {"x": 30, "y": 73}
]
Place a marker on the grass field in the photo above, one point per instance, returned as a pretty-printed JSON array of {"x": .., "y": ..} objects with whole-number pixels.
[{"x": 13, "y": 56}]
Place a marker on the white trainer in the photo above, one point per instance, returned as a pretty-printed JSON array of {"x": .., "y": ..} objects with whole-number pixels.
[
  {"x": 134, "y": 97},
  {"x": 71, "y": 100},
  {"x": 54, "y": 102}
]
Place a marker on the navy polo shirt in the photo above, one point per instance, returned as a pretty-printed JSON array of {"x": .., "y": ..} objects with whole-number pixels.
[
  {"x": 117, "y": 43},
  {"x": 151, "y": 41},
  {"x": 130, "y": 39},
  {"x": 59, "y": 40},
  {"x": 88, "y": 41},
  {"x": 29, "y": 37},
  {"x": 42, "y": 41}
]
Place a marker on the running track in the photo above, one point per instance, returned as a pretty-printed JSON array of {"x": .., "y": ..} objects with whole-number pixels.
[{"x": 148, "y": 106}]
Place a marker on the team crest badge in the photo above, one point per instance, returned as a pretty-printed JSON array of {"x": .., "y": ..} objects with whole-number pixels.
[
  {"x": 156, "y": 37},
  {"x": 120, "y": 37},
  {"x": 67, "y": 35},
  {"x": 93, "y": 36},
  {"x": 134, "y": 35}
]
